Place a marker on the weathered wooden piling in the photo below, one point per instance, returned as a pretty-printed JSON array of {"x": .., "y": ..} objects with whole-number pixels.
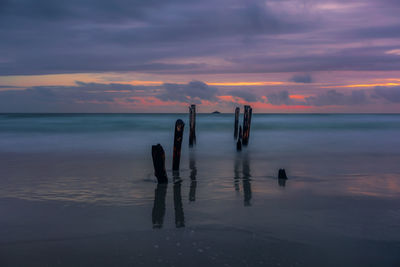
[
  {"x": 246, "y": 124},
  {"x": 179, "y": 125},
  {"x": 158, "y": 155},
  {"x": 282, "y": 174},
  {"x": 192, "y": 125},
  {"x": 237, "y": 112}
]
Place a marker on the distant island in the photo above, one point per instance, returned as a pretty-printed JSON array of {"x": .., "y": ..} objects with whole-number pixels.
[{"x": 216, "y": 112}]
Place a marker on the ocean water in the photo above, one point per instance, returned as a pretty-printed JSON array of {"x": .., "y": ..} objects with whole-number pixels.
[{"x": 79, "y": 190}]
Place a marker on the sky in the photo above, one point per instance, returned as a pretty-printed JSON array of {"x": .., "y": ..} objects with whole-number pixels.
[{"x": 279, "y": 56}]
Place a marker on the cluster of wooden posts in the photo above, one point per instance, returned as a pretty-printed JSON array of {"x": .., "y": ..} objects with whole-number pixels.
[{"x": 241, "y": 135}]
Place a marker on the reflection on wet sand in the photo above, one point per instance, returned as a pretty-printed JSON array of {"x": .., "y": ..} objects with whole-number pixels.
[
  {"x": 246, "y": 180},
  {"x": 193, "y": 173},
  {"x": 159, "y": 205},
  {"x": 246, "y": 176},
  {"x": 236, "y": 176},
  {"x": 179, "y": 216},
  {"x": 282, "y": 182}
]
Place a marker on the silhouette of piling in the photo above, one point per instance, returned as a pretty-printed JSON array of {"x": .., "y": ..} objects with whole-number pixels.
[
  {"x": 282, "y": 174},
  {"x": 179, "y": 125},
  {"x": 237, "y": 112},
  {"x": 246, "y": 124},
  {"x": 158, "y": 155},
  {"x": 192, "y": 125}
]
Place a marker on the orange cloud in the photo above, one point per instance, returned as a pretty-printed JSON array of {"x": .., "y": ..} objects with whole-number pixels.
[
  {"x": 301, "y": 97},
  {"x": 243, "y": 83},
  {"x": 362, "y": 85}
]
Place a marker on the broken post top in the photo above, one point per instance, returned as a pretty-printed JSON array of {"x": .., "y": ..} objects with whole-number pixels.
[
  {"x": 282, "y": 174},
  {"x": 158, "y": 155}
]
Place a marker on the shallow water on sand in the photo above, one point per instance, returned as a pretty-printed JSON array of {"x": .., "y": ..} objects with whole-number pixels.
[{"x": 78, "y": 190}]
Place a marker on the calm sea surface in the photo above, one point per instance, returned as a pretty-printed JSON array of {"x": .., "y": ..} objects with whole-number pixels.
[{"x": 79, "y": 190}]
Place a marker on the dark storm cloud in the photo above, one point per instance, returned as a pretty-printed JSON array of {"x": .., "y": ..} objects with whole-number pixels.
[
  {"x": 82, "y": 97},
  {"x": 46, "y": 36},
  {"x": 95, "y": 97},
  {"x": 280, "y": 98},
  {"x": 390, "y": 94},
  {"x": 247, "y": 96},
  {"x": 301, "y": 78},
  {"x": 192, "y": 92},
  {"x": 332, "y": 97},
  {"x": 329, "y": 98},
  {"x": 89, "y": 36}
]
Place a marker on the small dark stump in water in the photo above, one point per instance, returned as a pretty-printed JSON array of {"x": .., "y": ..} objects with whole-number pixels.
[
  {"x": 158, "y": 155},
  {"x": 282, "y": 174}
]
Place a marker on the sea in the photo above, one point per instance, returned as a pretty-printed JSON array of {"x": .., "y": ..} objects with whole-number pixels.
[{"x": 80, "y": 190}]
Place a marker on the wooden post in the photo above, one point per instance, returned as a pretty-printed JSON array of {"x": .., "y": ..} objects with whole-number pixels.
[
  {"x": 179, "y": 125},
  {"x": 246, "y": 124},
  {"x": 237, "y": 112},
  {"x": 282, "y": 174},
  {"x": 192, "y": 125},
  {"x": 158, "y": 155}
]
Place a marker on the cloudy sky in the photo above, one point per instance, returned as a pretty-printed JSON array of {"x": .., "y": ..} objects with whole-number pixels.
[{"x": 161, "y": 55}]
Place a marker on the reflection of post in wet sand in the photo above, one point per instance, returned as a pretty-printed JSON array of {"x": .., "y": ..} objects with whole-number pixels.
[
  {"x": 246, "y": 180},
  {"x": 159, "y": 205},
  {"x": 193, "y": 174},
  {"x": 236, "y": 176},
  {"x": 179, "y": 216}
]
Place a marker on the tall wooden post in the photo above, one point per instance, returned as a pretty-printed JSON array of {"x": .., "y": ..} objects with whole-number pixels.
[
  {"x": 192, "y": 125},
  {"x": 179, "y": 125},
  {"x": 237, "y": 112},
  {"x": 246, "y": 124},
  {"x": 158, "y": 155}
]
